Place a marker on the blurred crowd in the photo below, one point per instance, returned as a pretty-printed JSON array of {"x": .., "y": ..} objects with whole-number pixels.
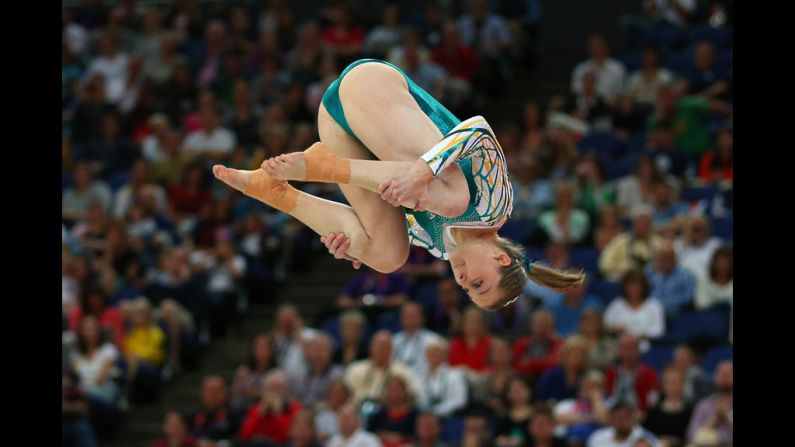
[{"x": 628, "y": 175}]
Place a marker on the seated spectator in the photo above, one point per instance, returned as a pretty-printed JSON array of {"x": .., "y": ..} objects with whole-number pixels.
[
  {"x": 608, "y": 228},
  {"x": 188, "y": 198},
  {"x": 495, "y": 381},
  {"x": 410, "y": 343},
  {"x": 175, "y": 432},
  {"x": 630, "y": 382},
  {"x": 76, "y": 199},
  {"x": 705, "y": 79},
  {"x": 94, "y": 302},
  {"x": 91, "y": 233},
  {"x": 669, "y": 212},
  {"x": 351, "y": 434},
  {"x": 565, "y": 224},
  {"x": 326, "y": 411},
  {"x": 661, "y": 147},
  {"x": 289, "y": 335},
  {"x": 717, "y": 165},
  {"x": 368, "y": 377},
  {"x": 632, "y": 249},
  {"x": 214, "y": 421},
  {"x": 302, "y": 431},
  {"x": 212, "y": 141},
  {"x": 489, "y": 35},
  {"x": 268, "y": 422},
  {"x": 637, "y": 189},
  {"x": 717, "y": 285},
  {"x": 587, "y": 104},
  {"x": 352, "y": 345},
  {"x": 245, "y": 117},
  {"x": 250, "y": 376},
  {"x": 447, "y": 316},
  {"x": 140, "y": 177},
  {"x": 568, "y": 311},
  {"x": 673, "y": 285},
  {"x": 533, "y": 354},
  {"x": 461, "y": 63},
  {"x": 422, "y": 269},
  {"x": 531, "y": 194},
  {"x": 170, "y": 169},
  {"x": 511, "y": 429},
  {"x": 669, "y": 418},
  {"x": 76, "y": 426},
  {"x": 609, "y": 72},
  {"x": 695, "y": 247},
  {"x": 713, "y": 416},
  {"x": 112, "y": 151},
  {"x": 374, "y": 288},
  {"x": 225, "y": 273},
  {"x": 697, "y": 385},
  {"x": 635, "y": 312},
  {"x": 602, "y": 348},
  {"x": 95, "y": 362},
  {"x": 430, "y": 76},
  {"x": 310, "y": 386},
  {"x": 627, "y": 118},
  {"x": 541, "y": 431},
  {"x": 385, "y": 35},
  {"x": 343, "y": 38},
  {"x": 441, "y": 390},
  {"x": 592, "y": 191},
  {"x": 428, "y": 431},
  {"x": 471, "y": 349},
  {"x": 642, "y": 86},
  {"x": 144, "y": 348},
  {"x": 111, "y": 64},
  {"x": 181, "y": 328},
  {"x": 562, "y": 382},
  {"x": 578, "y": 418},
  {"x": 395, "y": 421},
  {"x": 623, "y": 429},
  {"x": 477, "y": 430}
]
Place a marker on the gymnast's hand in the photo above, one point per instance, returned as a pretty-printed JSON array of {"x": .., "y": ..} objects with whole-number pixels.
[
  {"x": 338, "y": 246},
  {"x": 409, "y": 190}
]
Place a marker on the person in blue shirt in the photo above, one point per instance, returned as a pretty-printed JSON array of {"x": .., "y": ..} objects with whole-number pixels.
[
  {"x": 672, "y": 285},
  {"x": 569, "y": 308}
]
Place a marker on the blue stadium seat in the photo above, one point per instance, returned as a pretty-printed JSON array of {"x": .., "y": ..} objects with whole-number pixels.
[
  {"x": 118, "y": 179},
  {"x": 602, "y": 143},
  {"x": 695, "y": 194},
  {"x": 452, "y": 430},
  {"x": 664, "y": 37},
  {"x": 681, "y": 62},
  {"x": 585, "y": 258},
  {"x": 637, "y": 142},
  {"x": 723, "y": 227},
  {"x": 389, "y": 321},
  {"x": 724, "y": 60},
  {"x": 658, "y": 357},
  {"x": 605, "y": 290},
  {"x": 719, "y": 37},
  {"x": 632, "y": 61},
  {"x": 716, "y": 355},
  {"x": 688, "y": 327},
  {"x": 621, "y": 168}
]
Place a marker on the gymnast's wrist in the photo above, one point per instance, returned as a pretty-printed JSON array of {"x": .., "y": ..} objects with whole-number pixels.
[{"x": 421, "y": 170}]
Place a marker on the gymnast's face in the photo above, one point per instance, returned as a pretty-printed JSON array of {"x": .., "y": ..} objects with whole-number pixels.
[{"x": 476, "y": 266}]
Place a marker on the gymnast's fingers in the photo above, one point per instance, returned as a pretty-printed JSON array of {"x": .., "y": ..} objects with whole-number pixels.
[
  {"x": 357, "y": 264},
  {"x": 328, "y": 239},
  {"x": 343, "y": 249},
  {"x": 335, "y": 244}
]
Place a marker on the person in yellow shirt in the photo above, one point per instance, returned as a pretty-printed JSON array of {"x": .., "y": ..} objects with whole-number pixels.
[
  {"x": 632, "y": 249},
  {"x": 145, "y": 348}
]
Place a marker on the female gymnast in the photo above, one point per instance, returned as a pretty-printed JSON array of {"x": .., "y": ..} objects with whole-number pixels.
[{"x": 413, "y": 174}]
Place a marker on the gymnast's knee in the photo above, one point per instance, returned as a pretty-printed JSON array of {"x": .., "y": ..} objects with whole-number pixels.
[{"x": 388, "y": 260}]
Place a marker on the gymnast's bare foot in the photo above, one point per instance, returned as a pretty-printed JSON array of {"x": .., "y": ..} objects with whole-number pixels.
[
  {"x": 233, "y": 177},
  {"x": 290, "y": 166}
]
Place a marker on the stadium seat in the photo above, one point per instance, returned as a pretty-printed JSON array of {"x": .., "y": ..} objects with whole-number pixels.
[
  {"x": 621, "y": 168},
  {"x": 719, "y": 37},
  {"x": 452, "y": 430},
  {"x": 632, "y": 62},
  {"x": 637, "y": 142},
  {"x": 664, "y": 37},
  {"x": 696, "y": 326},
  {"x": 606, "y": 290},
  {"x": 658, "y": 357},
  {"x": 723, "y": 227},
  {"x": 585, "y": 258},
  {"x": 680, "y": 63},
  {"x": 695, "y": 194},
  {"x": 602, "y": 143},
  {"x": 118, "y": 179},
  {"x": 716, "y": 355},
  {"x": 389, "y": 321}
]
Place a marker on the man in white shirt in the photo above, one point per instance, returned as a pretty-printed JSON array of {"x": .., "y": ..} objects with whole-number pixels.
[
  {"x": 696, "y": 247},
  {"x": 442, "y": 390},
  {"x": 212, "y": 140},
  {"x": 367, "y": 378},
  {"x": 112, "y": 65},
  {"x": 609, "y": 72},
  {"x": 623, "y": 431},
  {"x": 351, "y": 434},
  {"x": 411, "y": 342}
]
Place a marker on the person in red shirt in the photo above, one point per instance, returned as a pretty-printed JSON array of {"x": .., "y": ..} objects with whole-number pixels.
[
  {"x": 540, "y": 351},
  {"x": 190, "y": 196},
  {"x": 718, "y": 164},
  {"x": 271, "y": 418},
  {"x": 630, "y": 381},
  {"x": 343, "y": 38},
  {"x": 111, "y": 318},
  {"x": 471, "y": 349},
  {"x": 175, "y": 432},
  {"x": 460, "y": 61}
]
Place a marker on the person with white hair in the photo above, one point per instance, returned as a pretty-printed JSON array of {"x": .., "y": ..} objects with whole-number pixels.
[
  {"x": 441, "y": 390},
  {"x": 310, "y": 385},
  {"x": 351, "y": 433},
  {"x": 631, "y": 249}
]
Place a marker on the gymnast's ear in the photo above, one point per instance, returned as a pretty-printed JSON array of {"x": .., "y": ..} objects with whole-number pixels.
[{"x": 502, "y": 258}]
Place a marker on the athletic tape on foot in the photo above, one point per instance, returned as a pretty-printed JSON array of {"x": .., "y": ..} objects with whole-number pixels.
[
  {"x": 276, "y": 193},
  {"x": 323, "y": 166}
]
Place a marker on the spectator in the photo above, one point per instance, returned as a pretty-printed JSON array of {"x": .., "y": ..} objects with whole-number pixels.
[
  {"x": 492, "y": 388},
  {"x": 310, "y": 386},
  {"x": 394, "y": 423},
  {"x": 632, "y": 249},
  {"x": 661, "y": 147},
  {"x": 368, "y": 377},
  {"x": 541, "y": 430},
  {"x": 538, "y": 352},
  {"x": 245, "y": 117},
  {"x": 608, "y": 228},
  {"x": 352, "y": 346},
  {"x": 609, "y": 72},
  {"x": 250, "y": 376},
  {"x": 637, "y": 189},
  {"x": 111, "y": 64},
  {"x": 459, "y": 60},
  {"x": 635, "y": 312},
  {"x": 441, "y": 390},
  {"x": 717, "y": 285},
  {"x": 511, "y": 429},
  {"x": 111, "y": 151},
  {"x": 630, "y": 382},
  {"x": 669, "y": 418},
  {"x": 713, "y": 416},
  {"x": 175, "y": 432},
  {"x": 187, "y": 198},
  {"x": 385, "y": 35},
  {"x": 428, "y": 431},
  {"x": 695, "y": 247},
  {"x": 422, "y": 70},
  {"x": 447, "y": 316},
  {"x": 531, "y": 193},
  {"x": 565, "y": 224},
  {"x": 568, "y": 311},
  {"x": 161, "y": 68},
  {"x": 289, "y": 335},
  {"x": 477, "y": 431},
  {"x": 601, "y": 347},
  {"x": 697, "y": 384},
  {"x": 151, "y": 145},
  {"x": 562, "y": 382},
  {"x": 326, "y": 411},
  {"x": 302, "y": 431},
  {"x": 76, "y": 200},
  {"x": 490, "y": 36},
  {"x": 94, "y": 303},
  {"x": 343, "y": 37},
  {"x": 144, "y": 348},
  {"x": 643, "y": 85},
  {"x": 471, "y": 349},
  {"x": 214, "y": 421},
  {"x": 371, "y": 287},
  {"x": 351, "y": 434},
  {"x": 624, "y": 431},
  {"x": 212, "y": 140},
  {"x": 587, "y": 103},
  {"x": 170, "y": 169},
  {"x": 669, "y": 212},
  {"x": 687, "y": 116},
  {"x": 579, "y": 418},
  {"x": 592, "y": 190},
  {"x": 672, "y": 285},
  {"x": 95, "y": 362},
  {"x": 268, "y": 422},
  {"x": 705, "y": 79},
  {"x": 717, "y": 165},
  {"x": 140, "y": 177},
  {"x": 91, "y": 232},
  {"x": 225, "y": 273},
  {"x": 410, "y": 343},
  {"x": 627, "y": 118},
  {"x": 77, "y": 430}
]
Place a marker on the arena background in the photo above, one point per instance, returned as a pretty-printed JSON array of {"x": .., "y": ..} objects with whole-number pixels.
[{"x": 143, "y": 217}]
